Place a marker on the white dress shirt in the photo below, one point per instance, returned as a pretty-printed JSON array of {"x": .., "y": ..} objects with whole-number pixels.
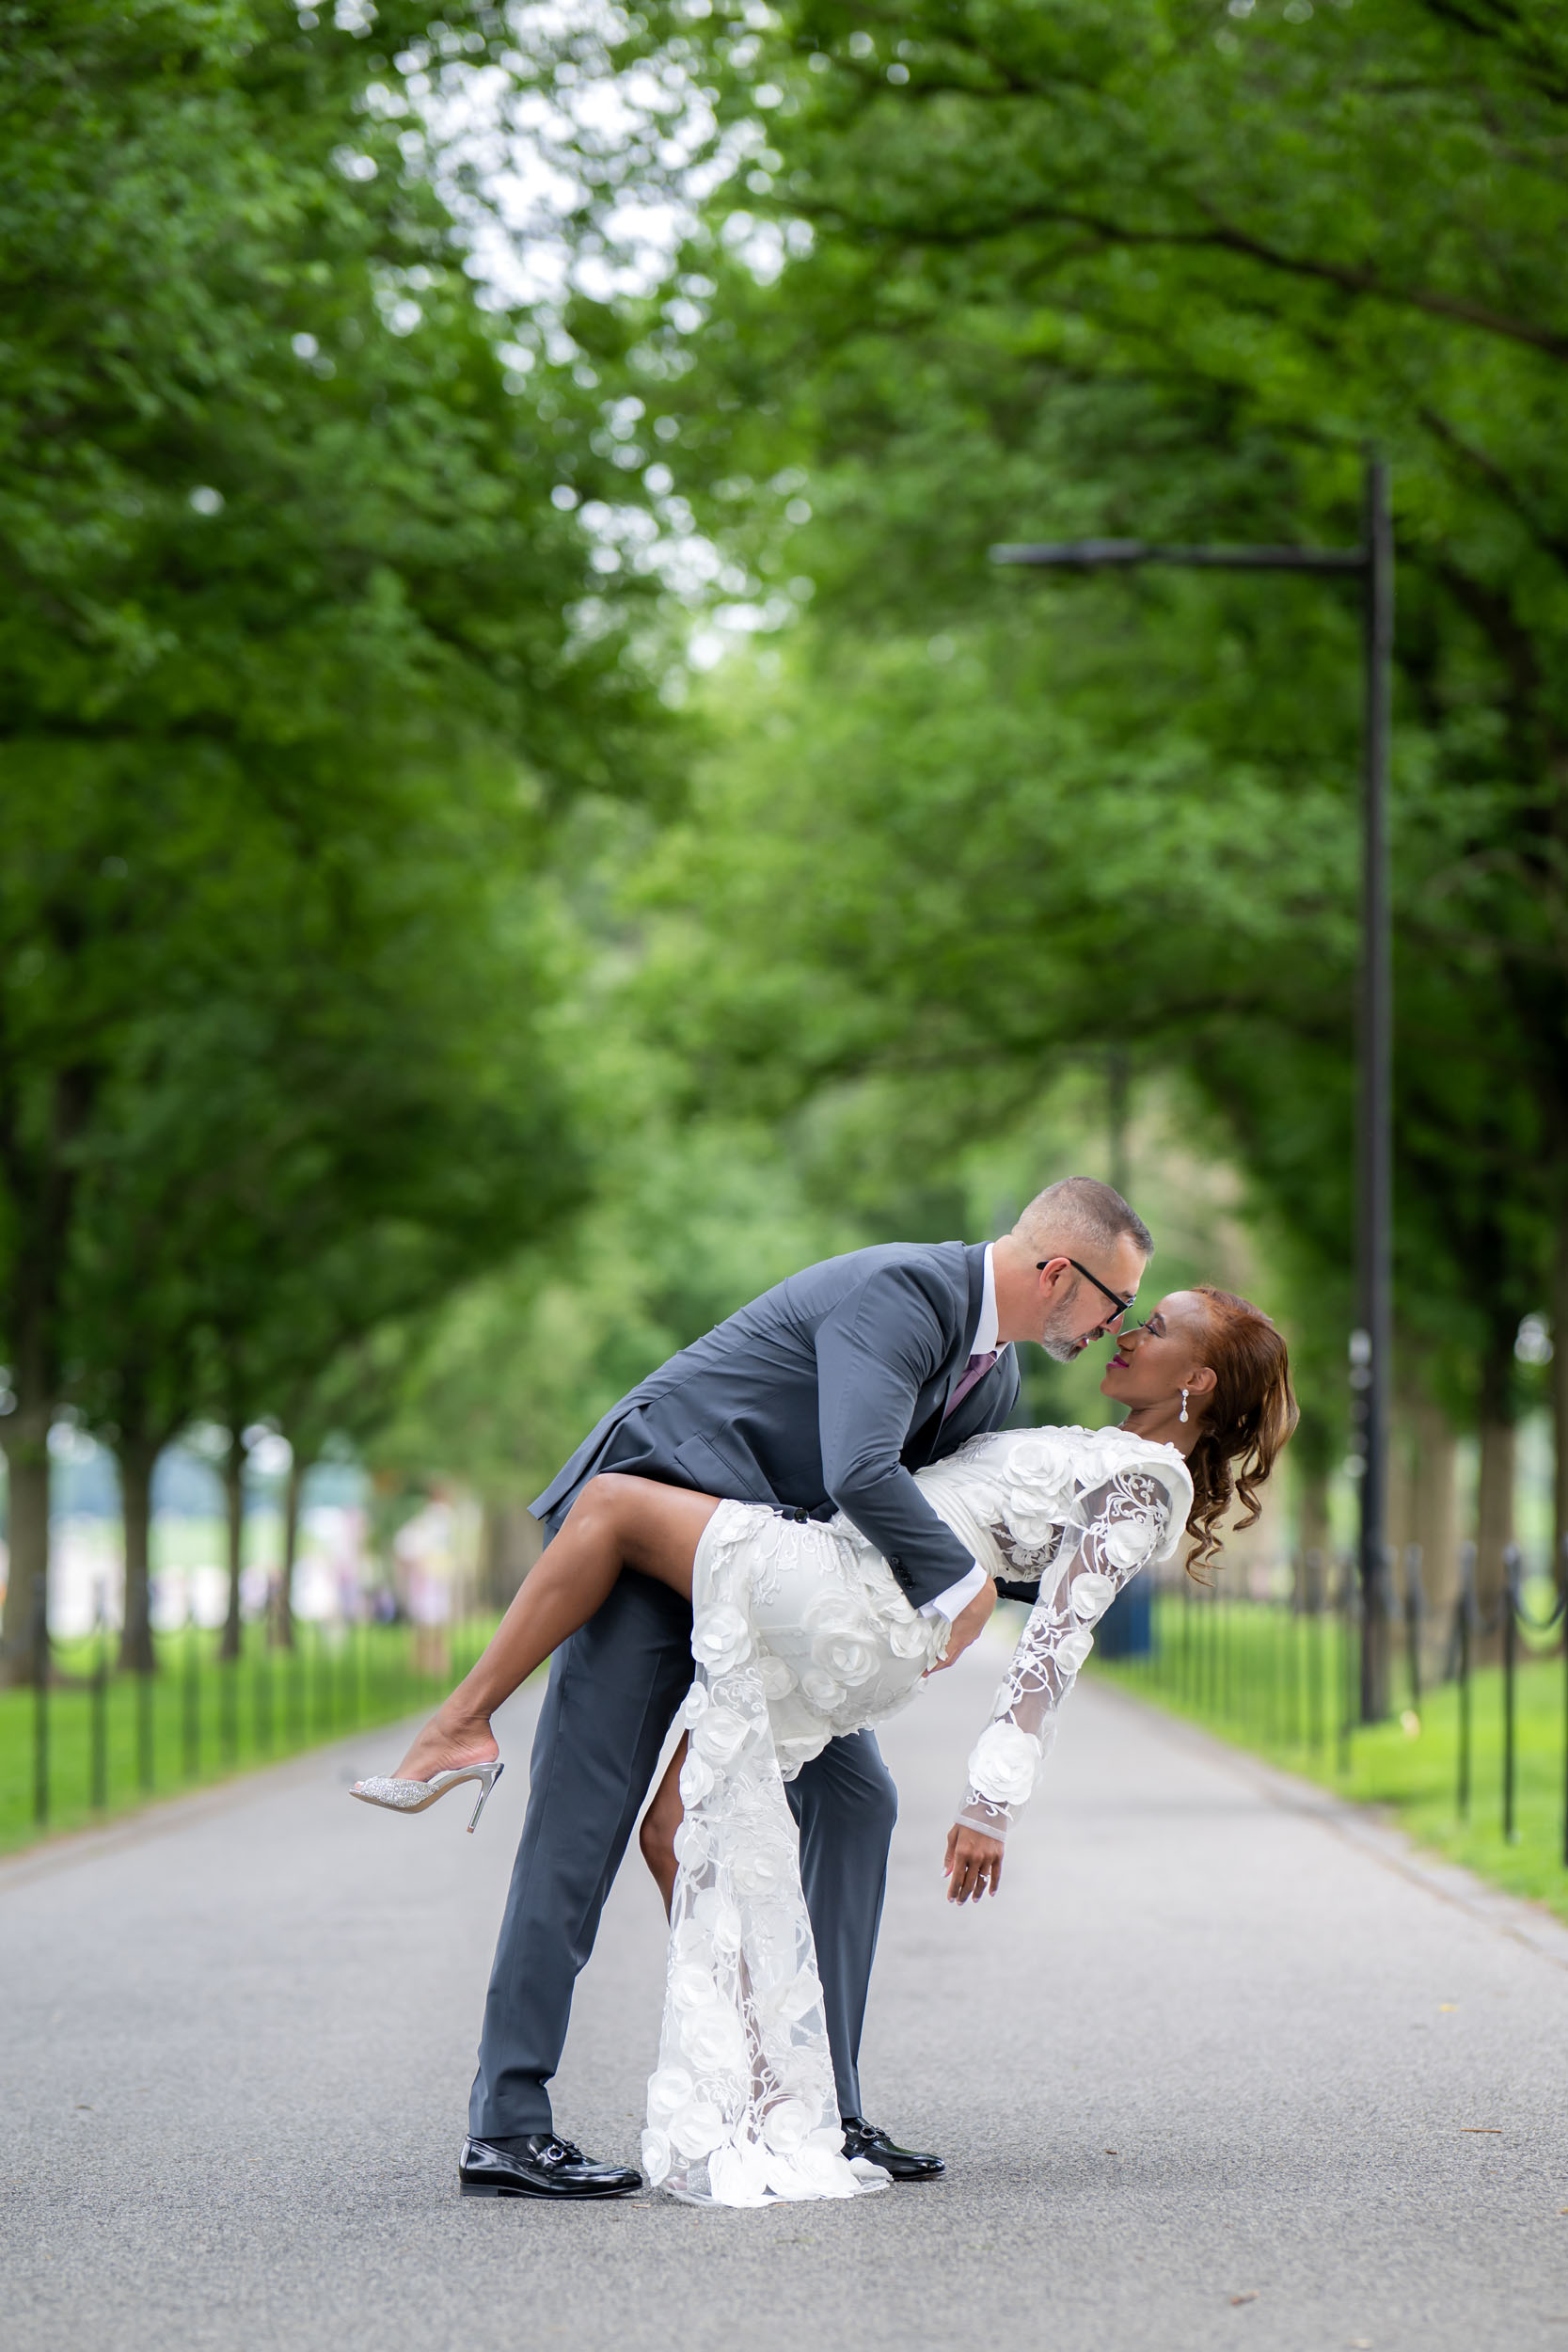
[{"x": 958, "y": 1597}]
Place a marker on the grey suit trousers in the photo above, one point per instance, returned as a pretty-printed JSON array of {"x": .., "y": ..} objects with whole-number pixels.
[
  {"x": 830, "y": 1390},
  {"x": 613, "y": 1690}
]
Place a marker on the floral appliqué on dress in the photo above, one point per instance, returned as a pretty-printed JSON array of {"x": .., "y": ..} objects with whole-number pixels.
[{"x": 800, "y": 1633}]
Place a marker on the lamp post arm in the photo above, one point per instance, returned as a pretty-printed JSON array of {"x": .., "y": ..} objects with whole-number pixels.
[{"x": 1084, "y": 555}]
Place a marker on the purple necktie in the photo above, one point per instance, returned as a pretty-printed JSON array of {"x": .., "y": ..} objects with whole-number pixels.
[{"x": 974, "y": 1369}]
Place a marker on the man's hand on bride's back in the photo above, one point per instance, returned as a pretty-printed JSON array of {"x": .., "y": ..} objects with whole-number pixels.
[{"x": 969, "y": 1624}]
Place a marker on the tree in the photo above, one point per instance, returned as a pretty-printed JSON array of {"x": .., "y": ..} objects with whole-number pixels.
[
  {"x": 1161, "y": 279},
  {"x": 358, "y": 1111},
  {"x": 274, "y": 501}
]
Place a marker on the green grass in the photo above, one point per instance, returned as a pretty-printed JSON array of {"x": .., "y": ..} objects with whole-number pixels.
[
  {"x": 1275, "y": 1683},
  {"x": 1264, "y": 1679},
  {"x": 198, "y": 1721}
]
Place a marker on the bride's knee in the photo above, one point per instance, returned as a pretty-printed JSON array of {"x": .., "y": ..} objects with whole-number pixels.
[{"x": 605, "y": 1503}]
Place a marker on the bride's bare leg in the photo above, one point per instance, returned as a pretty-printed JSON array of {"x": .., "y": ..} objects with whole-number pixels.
[
  {"x": 615, "y": 1523},
  {"x": 657, "y": 1836}
]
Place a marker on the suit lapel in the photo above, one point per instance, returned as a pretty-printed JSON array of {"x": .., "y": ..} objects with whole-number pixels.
[{"x": 924, "y": 1440}]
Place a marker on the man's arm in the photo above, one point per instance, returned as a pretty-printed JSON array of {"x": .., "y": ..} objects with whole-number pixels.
[{"x": 874, "y": 1353}]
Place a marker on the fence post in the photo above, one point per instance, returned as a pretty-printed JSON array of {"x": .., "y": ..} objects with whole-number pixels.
[
  {"x": 293, "y": 1689},
  {"x": 191, "y": 1690},
  {"x": 144, "y": 1716},
  {"x": 1415, "y": 1614},
  {"x": 1350, "y": 1676},
  {"x": 1562, "y": 1587},
  {"x": 1290, "y": 1726},
  {"x": 99, "y": 1788},
  {"x": 1314, "y": 1652},
  {"x": 228, "y": 1697},
  {"x": 311, "y": 1655},
  {"x": 40, "y": 1702},
  {"x": 261, "y": 1682},
  {"x": 1464, "y": 1613},
  {"x": 1512, "y": 1597}
]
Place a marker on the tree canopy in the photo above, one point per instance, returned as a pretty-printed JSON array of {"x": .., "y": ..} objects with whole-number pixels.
[
  {"x": 411, "y": 965},
  {"x": 301, "y": 654}
]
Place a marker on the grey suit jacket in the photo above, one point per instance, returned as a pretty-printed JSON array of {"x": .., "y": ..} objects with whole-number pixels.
[{"x": 826, "y": 1393}]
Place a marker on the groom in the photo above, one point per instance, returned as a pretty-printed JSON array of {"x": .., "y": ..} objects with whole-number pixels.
[{"x": 826, "y": 1393}]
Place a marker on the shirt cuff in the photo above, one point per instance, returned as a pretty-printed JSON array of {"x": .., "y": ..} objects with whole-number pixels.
[{"x": 958, "y": 1597}]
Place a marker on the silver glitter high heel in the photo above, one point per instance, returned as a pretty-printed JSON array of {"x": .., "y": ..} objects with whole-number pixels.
[{"x": 412, "y": 1796}]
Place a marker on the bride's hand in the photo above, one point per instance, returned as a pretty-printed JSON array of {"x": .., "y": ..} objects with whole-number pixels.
[{"x": 973, "y": 1862}]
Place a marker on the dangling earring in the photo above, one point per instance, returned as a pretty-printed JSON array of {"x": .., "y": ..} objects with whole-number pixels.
[{"x": 1184, "y": 1404}]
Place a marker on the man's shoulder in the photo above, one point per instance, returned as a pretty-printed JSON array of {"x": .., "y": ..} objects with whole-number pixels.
[
  {"x": 893, "y": 1279},
  {"x": 939, "y": 1264}
]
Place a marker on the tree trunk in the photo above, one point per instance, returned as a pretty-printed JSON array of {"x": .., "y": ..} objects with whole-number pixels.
[
  {"x": 1494, "y": 1503},
  {"x": 233, "y": 1495},
  {"x": 1435, "y": 1525},
  {"x": 1401, "y": 1469},
  {"x": 1559, "y": 1407},
  {"x": 283, "y": 1611},
  {"x": 27, "y": 1464},
  {"x": 137, "y": 1458},
  {"x": 42, "y": 1193}
]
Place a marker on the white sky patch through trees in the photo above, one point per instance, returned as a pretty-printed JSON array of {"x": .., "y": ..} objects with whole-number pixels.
[{"x": 569, "y": 177}]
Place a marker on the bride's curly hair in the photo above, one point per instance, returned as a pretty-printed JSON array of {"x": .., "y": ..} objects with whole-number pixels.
[{"x": 1246, "y": 1421}]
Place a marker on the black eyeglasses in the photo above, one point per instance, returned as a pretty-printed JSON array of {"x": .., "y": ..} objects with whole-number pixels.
[{"x": 1120, "y": 1304}]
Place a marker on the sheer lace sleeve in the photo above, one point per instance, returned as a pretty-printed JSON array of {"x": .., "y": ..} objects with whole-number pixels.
[{"x": 1111, "y": 1532}]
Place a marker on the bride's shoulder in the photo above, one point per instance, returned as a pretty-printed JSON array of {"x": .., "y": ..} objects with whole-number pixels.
[
  {"x": 1049, "y": 1452},
  {"x": 1089, "y": 1457},
  {"x": 1110, "y": 1453}
]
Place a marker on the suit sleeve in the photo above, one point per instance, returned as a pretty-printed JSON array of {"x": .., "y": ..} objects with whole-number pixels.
[{"x": 874, "y": 1353}]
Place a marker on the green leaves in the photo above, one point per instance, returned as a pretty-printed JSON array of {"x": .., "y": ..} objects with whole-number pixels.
[
  {"x": 1160, "y": 273},
  {"x": 293, "y": 667}
]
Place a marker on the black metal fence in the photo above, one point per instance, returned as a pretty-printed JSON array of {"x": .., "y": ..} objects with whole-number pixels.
[
  {"x": 86, "y": 1739},
  {"x": 1284, "y": 1674}
]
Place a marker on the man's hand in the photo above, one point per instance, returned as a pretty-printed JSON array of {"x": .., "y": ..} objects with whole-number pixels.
[
  {"x": 973, "y": 1863},
  {"x": 969, "y": 1622}
]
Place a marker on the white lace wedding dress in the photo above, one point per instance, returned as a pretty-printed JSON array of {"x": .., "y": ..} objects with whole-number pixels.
[{"x": 801, "y": 1632}]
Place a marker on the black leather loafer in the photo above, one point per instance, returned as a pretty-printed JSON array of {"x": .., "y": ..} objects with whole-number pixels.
[
  {"x": 861, "y": 2138},
  {"x": 539, "y": 2165}
]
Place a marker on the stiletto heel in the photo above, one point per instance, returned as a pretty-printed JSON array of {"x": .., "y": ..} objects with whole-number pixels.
[
  {"x": 414, "y": 1796},
  {"x": 483, "y": 1797}
]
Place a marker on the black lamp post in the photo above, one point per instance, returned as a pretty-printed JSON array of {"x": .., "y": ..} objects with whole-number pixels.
[{"x": 1371, "y": 1345}]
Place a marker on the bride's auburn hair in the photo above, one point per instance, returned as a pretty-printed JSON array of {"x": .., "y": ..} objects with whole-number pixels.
[{"x": 1247, "y": 1418}]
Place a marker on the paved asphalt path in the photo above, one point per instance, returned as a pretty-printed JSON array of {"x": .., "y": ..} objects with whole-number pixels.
[{"x": 1211, "y": 2072}]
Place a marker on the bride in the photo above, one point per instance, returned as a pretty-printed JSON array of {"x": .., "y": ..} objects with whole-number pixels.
[{"x": 800, "y": 1633}]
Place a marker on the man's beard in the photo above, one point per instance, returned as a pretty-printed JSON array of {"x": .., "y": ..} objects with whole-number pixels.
[{"x": 1062, "y": 1345}]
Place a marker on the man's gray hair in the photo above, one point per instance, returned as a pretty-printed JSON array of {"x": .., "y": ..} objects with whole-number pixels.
[{"x": 1081, "y": 1209}]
